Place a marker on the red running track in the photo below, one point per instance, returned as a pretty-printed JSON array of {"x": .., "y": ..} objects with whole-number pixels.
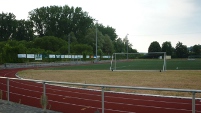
[{"x": 71, "y": 100}]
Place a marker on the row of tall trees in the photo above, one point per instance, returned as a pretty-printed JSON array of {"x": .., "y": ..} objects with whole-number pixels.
[
  {"x": 10, "y": 28},
  {"x": 180, "y": 50},
  {"x": 57, "y": 29}
]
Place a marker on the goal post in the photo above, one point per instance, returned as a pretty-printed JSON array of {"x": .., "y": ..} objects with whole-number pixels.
[{"x": 138, "y": 61}]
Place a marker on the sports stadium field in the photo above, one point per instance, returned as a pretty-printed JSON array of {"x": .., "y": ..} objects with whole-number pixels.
[
  {"x": 139, "y": 64},
  {"x": 181, "y": 74},
  {"x": 70, "y": 100}
]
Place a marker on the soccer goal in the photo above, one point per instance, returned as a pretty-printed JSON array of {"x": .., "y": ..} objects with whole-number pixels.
[{"x": 138, "y": 61}]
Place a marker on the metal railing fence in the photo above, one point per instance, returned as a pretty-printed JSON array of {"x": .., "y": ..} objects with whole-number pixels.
[
  {"x": 193, "y": 92},
  {"x": 42, "y": 64}
]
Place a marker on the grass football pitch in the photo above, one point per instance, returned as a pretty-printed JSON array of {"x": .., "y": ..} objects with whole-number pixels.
[
  {"x": 181, "y": 74},
  {"x": 173, "y": 64}
]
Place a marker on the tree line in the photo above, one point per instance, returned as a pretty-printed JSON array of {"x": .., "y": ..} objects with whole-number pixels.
[
  {"x": 57, "y": 30},
  {"x": 180, "y": 51},
  {"x": 68, "y": 30}
]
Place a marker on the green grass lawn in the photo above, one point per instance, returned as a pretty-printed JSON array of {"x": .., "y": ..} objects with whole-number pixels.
[
  {"x": 173, "y": 64},
  {"x": 184, "y": 64},
  {"x": 156, "y": 64}
]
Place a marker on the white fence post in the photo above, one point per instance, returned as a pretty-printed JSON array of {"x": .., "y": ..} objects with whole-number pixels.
[
  {"x": 193, "y": 102},
  {"x": 44, "y": 89},
  {"x": 8, "y": 90},
  {"x": 102, "y": 95}
]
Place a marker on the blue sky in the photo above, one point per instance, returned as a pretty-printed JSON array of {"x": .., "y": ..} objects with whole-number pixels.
[{"x": 144, "y": 20}]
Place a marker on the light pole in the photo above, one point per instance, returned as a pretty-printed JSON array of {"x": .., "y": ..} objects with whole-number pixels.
[
  {"x": 96, "y": 40},
  {"x": 69, "y": 44},
  {"x": 127, "y": 44}
]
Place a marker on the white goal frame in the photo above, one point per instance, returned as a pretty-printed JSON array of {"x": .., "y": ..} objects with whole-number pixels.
[{"x": 115, "y": 60}]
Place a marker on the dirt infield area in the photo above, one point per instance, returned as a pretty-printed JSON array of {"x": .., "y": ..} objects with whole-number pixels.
[{"x": 169, "y": 79}]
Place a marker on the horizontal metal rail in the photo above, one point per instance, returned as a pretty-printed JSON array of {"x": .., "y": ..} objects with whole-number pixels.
[
  {"x": 109, "y": 86},
  {"x": 193, "y": 91}
]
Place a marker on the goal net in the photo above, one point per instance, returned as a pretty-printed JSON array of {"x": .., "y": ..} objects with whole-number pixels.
[{"x": 138, "y": 61}]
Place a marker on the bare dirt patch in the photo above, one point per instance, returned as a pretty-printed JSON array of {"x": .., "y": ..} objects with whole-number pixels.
[{"x": 169, "y": 79}]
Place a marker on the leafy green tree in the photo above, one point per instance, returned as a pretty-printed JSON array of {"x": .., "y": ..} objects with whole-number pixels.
[
  {"x": 60, "y": 21},
  {"x": 167, "y": 47},
  {"x": 37, "y": 16},
  {"x": 108, "y": 45},
  {"x": 119, "y": 45},
  {"x": 27, "y": 44},
  {"x": 154, "y": 47},
  {"x": 196, "y": 49},
  {"x": 71, "y": 37},
  {"x": 22, "y": 49},
  {"x": 63, "y": 49},
  {"x": 2, "y": 44},
  {"x": 14, "y": 43},
  {"x": 36, "y": 51},
  {"x": 81, "y": 22},
  {"x": 181, "y": 50},
  {"x": 174, "y": 53},
  {"x": 49, "y": 43},
  {"x": 24, "y": 30},
  {"x": 111, "y": 32},
  {"x": 133, "y": 50},
  {"x": 100, "y": 53},
  {"x": 7, "y": 26},
  {"x": 82, "y": 49},
  {"x": 90, "y": 39},
  {"x": 10, "y": 54},
  {"x": 127, "y": 45},
  {"x": 10, "y": 49},
  {"x": 12, "y": 29}
]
